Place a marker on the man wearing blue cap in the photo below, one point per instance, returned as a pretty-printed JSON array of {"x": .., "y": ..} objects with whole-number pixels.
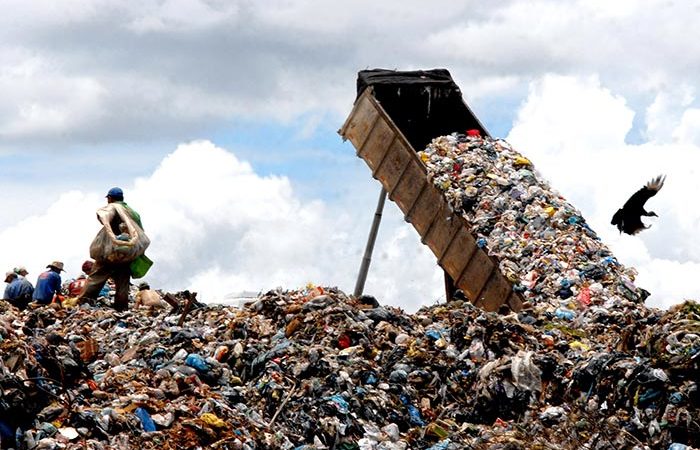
[{"x": 103, "y": 269}]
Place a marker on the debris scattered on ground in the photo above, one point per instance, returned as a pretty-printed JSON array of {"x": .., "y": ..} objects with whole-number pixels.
[
  {"x": 314, "y": 369},
  {"x": 584, "y": 365}
]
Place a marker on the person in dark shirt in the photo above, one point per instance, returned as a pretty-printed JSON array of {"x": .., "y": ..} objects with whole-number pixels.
[
  {"x": 21, "y": 271},
  {"x": 18, "y": 291},
  {"x": 48, "y": 284},
  {"x": 10, "y": 277}
]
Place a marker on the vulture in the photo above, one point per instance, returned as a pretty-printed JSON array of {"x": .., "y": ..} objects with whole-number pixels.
[{"x": 629, "y": 217}]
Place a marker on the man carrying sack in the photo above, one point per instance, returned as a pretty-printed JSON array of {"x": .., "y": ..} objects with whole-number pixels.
[{"x": 118, "y": 250}]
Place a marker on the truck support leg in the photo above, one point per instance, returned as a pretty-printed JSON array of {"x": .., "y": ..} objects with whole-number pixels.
[
  {"x": 450, "y": 287},
  {"x": 364, "y": 267}
]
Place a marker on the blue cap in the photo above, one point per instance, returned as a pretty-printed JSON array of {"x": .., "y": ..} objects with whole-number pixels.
[{"x": 115, "y": 192}]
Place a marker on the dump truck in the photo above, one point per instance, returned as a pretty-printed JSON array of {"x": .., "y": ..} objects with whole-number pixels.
[{"x": 397, "y": 114}]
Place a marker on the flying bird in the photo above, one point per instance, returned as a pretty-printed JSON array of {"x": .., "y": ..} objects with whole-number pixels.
[{"x": 629, "y": 217}]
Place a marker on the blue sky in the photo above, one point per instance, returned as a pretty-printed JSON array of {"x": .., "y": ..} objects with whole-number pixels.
[{"x": 220, "y": 119}]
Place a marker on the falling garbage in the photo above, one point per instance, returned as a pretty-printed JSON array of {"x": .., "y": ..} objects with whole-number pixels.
[{"x": 543, "y": 244}]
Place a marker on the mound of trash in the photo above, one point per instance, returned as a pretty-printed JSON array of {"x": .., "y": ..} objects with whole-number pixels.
[
  {"x": 316, "y": 369},
  {"x": 542, "y": 243},
  {"x": 584, "y": 364}
]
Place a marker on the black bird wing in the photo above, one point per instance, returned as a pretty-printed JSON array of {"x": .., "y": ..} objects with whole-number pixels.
[
  {"x": 638, "y": 199},
  {"x": 628, "y": 219}
]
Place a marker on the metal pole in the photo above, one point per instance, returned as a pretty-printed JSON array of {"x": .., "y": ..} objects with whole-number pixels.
[
  {"x": 449, "y": 287},
  {"x": 364, "y": 267}
]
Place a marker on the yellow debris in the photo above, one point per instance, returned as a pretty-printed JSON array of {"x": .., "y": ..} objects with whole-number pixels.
[{"x": 212, "y": 420}]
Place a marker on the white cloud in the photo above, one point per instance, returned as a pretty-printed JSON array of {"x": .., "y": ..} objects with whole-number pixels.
[
  {"x": 490, "y": 88},
  {"x": 618, "y": 9},
  {"x": 156, "y": 68},
  {"x": 40, "y": 100},
  {"x": 663, "y": 115},
  {"x": 60, "y": 233},
  {"x": 571, "y": 111},
  {"x": 688, "y": 131},
  {"x": 573, "y": 129},
  {"x": 181, "y": 15}
]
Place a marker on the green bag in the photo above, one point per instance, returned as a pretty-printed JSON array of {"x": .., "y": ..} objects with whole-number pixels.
[{"x": 139, "y": 267}]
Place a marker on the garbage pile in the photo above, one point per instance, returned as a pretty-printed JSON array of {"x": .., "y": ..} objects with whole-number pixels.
[
  {"x": 315, "y": 369},
  {"x": 544, "y": 245},
  {"x": 584, "y": 365}
]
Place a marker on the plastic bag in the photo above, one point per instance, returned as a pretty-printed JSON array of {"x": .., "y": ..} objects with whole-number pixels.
[
  {"x": 106, "y": 246},
  {"x": 146, "y": 421},
  {"x": 526, "y": 374},
  {"x": 139, "y": 267}
]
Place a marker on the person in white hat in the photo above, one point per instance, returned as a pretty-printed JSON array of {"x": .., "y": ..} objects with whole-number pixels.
[
  {"x": 10, "y": 277},
  {"x": 48, "y": 284}
]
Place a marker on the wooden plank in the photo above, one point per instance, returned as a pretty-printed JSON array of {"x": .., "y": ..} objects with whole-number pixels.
[
  {"x": 409, "y": 187},
  {"x": 475, "y": 276},
  {"x": 397, "y": 158},
  {"x": 191, "y": 298},
  {"x": 515, "y": 301},
  {"x": 425, "y": 209},
  {"x": 495, "y": 293},
  {"x": 411, "y": 160},
  {"x": 376, "y": 147},
  {"x": 361, "y": 121},
  {"x": 440, "y": 234},
  {"x": 411, "y": 207},
  {"x": 392, "y": 190},
  {"x": 452, "y": 237},
  {"x": 459, "y": 253}
]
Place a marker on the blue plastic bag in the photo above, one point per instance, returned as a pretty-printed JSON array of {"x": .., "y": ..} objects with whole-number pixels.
[
  {"x": 146, "y": 421},
  {"x": 196, "y": 361}
]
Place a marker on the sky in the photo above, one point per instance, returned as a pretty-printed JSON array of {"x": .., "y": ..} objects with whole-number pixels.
[{"x": 219, "y": 120}]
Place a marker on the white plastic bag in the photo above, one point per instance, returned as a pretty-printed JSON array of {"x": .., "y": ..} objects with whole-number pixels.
[{"x": 526, "y": 374}]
